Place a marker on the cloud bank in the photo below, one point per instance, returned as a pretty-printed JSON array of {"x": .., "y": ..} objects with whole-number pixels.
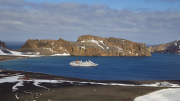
[{"x": 20, "y": 20}]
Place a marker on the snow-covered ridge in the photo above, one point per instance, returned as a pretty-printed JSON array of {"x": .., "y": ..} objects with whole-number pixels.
[{"x": 97, "y": 42}]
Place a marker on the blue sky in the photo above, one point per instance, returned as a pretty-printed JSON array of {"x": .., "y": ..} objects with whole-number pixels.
[{"x": 144, "y": 21}]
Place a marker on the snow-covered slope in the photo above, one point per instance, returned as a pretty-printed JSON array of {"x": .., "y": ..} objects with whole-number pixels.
[
  {"x": 171, "y": 94},
  {"x": 171, "y": 47},
  {"x": 5, "y": 51}
]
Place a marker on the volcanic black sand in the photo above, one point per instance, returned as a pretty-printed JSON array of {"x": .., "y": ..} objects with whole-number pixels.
[
  {"x": 6, "y": 57},
  {"x": 67, "y": 91}
]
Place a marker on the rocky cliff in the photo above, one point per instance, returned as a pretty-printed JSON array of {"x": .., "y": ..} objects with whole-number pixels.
[
  {"x": 2, "y": 44},
  {"x": 3, "y": 48},
  {"x": 87, "y": 45},
  {"x": 171, "y": 47}
]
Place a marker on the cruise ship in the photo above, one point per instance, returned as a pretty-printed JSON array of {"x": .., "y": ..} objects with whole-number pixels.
[{"x": 84, "y": 64}]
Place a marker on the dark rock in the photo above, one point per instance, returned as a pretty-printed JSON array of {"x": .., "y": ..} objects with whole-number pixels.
[{"x": 2, "y": 44}]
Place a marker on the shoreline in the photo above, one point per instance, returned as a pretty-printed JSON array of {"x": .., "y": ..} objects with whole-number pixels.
[
  {"x": 70, "y": 90},
  {"x": 6, "y": 57},
  {"x": 69, "y": 86}
]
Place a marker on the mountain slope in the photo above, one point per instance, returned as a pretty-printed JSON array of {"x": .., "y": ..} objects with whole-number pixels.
[
  {"x": 87, "y": 45},
  {"x": 171, "y": 47},
  {"x": 4, "y": 50}
]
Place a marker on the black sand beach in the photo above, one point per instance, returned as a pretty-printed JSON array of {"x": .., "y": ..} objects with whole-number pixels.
[{"x": 67, "y": 91}]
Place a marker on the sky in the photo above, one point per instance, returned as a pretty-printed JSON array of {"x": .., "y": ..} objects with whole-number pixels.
[{"x": 144, "y": 21}]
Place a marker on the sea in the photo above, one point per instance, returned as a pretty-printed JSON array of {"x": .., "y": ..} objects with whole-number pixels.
[{"x": 157, "y": 67}]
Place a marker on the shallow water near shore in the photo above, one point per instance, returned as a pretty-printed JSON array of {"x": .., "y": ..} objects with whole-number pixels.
[{"x": 157, "y": 67}]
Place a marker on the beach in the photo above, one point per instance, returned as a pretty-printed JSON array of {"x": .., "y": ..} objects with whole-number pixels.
[
  {"x": 29, "y": 86},
  {"x": 6, "y": 57}
]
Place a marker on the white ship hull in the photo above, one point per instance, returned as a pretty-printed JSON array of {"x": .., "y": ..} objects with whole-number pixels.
[{"x": 83, "y": 64}]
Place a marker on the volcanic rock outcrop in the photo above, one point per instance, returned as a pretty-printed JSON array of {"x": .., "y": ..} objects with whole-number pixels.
[
  {"x": 87, "y": 45},
  {"x": 3, "y": 48},
  {"x": 2, "y": 44},
  {"x": 171, "y": 47}
]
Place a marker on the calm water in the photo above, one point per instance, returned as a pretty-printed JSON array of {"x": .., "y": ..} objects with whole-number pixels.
[
  {"x": 14, "y": 44},
  {"x": 157, "y": 67}
]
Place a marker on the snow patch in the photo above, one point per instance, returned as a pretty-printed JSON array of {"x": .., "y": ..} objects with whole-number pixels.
[
  {"x": 49, "y": 49},
  {"x": 16, "y": 97},
  {"x": 94, "y": 41},
  {"x": 20, "y": 83},
  {"x": 64, "y": 54},
  {"x": 14, "y": 52},
  {"x": 83, "y": 41},
  {"x": 37, "y": 53},
  {"x": 171, "y": 94},
  {"x": 175, "y": 43},
  {"x": 101, "y": 41},
  {"x": 60, "y": 47},
  {"x": 29, "y": 53},
  {"x": 2, "y": 53},
  {"x": 36, "y": 83},
  {"x": 119, "y": 49},
  {"x": 52, "y": 44},
  {"x": 83, "y": 47}
]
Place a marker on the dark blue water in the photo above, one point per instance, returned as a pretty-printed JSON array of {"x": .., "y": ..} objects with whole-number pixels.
[
  {"x": 157, "y": 67},
  {"x": 14, "y": 44}
]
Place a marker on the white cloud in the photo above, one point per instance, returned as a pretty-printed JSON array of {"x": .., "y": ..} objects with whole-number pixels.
[{"x": 70, "y": 20}]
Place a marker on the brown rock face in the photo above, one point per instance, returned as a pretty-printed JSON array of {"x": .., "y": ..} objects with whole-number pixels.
[
  {"x": 87, "y": 45},
  {"x": 2, "y": 44},
  {"x": 171, "y": 47}
]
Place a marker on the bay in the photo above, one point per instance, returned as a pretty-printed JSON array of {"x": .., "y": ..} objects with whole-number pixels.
[{"x": 156, "y": 67}]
